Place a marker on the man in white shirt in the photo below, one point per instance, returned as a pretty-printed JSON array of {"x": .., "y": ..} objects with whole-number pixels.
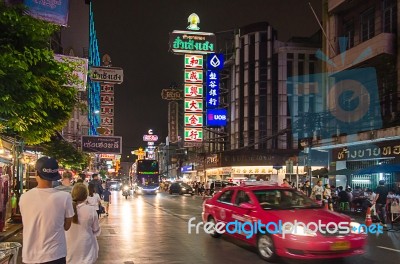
[{"x": 46, "y": 213}]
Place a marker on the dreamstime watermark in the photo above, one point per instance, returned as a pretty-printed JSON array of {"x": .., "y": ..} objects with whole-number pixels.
[{"x": 298, "y": 228}]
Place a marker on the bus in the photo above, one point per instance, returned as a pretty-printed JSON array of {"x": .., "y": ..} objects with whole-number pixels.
[{"x": 147, "y": 177}]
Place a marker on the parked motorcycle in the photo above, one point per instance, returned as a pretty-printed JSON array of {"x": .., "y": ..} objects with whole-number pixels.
[{"x": 126, "y": 192}]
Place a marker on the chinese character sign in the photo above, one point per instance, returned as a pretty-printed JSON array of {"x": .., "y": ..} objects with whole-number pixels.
[
  {"x": 193, "y": 134},
  {"x": 193, "y": 105},
  {"x": 193, "y": 76},
  {"x": 193, "y": 61},
  {"x": 193, "y": 90},
  {"x": 212, "y": 84},
  {"x": 193, "y": 120}
]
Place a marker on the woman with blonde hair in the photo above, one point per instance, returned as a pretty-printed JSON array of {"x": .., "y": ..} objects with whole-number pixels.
[{"x": 82, "y": 246}]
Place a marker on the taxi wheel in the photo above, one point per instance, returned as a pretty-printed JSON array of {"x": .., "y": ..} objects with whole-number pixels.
[
  {"x": 266, "y": 248},
  {"x": 214, "y": 234}
]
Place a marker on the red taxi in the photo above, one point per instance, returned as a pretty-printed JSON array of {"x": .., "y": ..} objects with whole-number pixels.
[{"x": 324, "y": 234}]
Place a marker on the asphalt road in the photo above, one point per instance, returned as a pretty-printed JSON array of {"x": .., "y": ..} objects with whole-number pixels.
[{"x": 154, "y": 229}]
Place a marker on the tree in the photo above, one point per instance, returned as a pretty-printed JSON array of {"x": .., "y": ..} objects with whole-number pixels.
[
  {"x": 35, "y": 99},
  {"x": 66, "y": 154}
]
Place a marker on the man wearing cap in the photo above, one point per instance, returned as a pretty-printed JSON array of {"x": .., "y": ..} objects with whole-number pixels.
[{"x": 46, "y": 215}]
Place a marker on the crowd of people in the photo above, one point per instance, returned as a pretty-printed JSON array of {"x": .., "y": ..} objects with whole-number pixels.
[
  {"x": 61, "y": 223},
  {"x": 380, "y": 200}
]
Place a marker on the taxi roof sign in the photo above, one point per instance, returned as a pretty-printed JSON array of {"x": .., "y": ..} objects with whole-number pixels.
[{"x": 259, "y": 183}]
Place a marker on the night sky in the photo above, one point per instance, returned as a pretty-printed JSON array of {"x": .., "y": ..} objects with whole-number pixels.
[{"x": 135, "y": 35}]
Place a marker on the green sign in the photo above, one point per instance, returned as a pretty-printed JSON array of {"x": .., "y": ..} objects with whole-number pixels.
[
  {"x": 193, "y": 134},
  {"x": 193, "y": 120},
  {"x": 193, "y": 90},
  {"x": 192, "y": 42}
]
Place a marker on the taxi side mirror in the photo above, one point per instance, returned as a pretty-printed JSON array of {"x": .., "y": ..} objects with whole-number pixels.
[{"x": 247, "y": 206}]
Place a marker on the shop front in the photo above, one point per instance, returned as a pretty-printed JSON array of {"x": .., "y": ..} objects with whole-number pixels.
[{"x": 360, "y": 158}]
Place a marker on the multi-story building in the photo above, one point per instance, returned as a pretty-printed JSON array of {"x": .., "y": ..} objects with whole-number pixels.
[
  {"x": 260, "y": 138},
  {"x": 362, "y": 44},
  {"x": 74, "y": 42}
]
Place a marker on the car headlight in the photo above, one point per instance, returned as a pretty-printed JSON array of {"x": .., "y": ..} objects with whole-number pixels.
[
  {"x": 183, "y": 189},
  {"x": 298, "y": 231},
  {"x": 356, "y": 228},
  {"x": 126, "y": 188}
]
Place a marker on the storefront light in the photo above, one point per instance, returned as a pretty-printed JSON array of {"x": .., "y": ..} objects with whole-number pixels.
[{"x": 362, "y": 181}]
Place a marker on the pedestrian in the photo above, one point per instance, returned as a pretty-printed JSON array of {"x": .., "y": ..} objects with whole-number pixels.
[
  {"x": 66, "y": 182},
  {"x": 97, "y": 184},
  {"x": 82, "y": 177},
  {"x": 106, "y": 199},
  {"x": 307, "y": 189},
  {"x": 285, "y": 183},
  {"x": 46, "y": 215},
  {"x": 328, "y": 196},
  {"x": 82, "y": 246},
  {"x": 318, "y": 191},
  {"x": 380, "y": 201},
  {"x": 94, "y": 199}
]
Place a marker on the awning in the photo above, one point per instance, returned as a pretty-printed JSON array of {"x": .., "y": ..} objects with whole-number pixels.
[
  {"x": 341, "y": 172},
  {"x": 320, "y": 172},
  {"x": 384, "y": 168}
]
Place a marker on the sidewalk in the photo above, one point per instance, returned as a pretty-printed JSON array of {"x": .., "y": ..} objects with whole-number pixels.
[{"x": 10, "y": 230}]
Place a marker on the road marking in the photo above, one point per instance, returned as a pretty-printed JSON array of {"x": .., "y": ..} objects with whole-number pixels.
[{"x": 392, "y": 249}]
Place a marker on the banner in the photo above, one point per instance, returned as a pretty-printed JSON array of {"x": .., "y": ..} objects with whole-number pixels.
[
  {"x": 54, "y": 11},
  {"x": 81, "y": 69}
]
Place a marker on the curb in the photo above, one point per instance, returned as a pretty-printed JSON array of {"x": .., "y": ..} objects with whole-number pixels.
[{"x": 10, "y": 232}]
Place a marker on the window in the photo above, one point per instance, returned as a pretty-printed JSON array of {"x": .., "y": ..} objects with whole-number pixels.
[
  {"x": 242, "y": 197},
  {"x": 226, "y": 197},
  {"x": 367, "y": 24},
  {"x": 348, "y": 32},
  {"x": 389, "y": 16}
]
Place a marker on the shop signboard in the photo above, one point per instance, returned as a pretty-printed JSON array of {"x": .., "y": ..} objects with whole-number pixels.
[
  {"x": 193, "y": 120},
  {"x": 102, "y": 144},
  {"x": 150, "y": 138},
  {"x": 193, "y": 134},
  {"x": 215, "y": 61},
  {"x": 106, "y": 74},
  {"x": 173, "y": 121},
  {"x": 193, "y": 105},
  {"x": 212, "y": 84},
  {"x": 193, "y": 90},
  {"x": 52, "y": 11},
  {"x": 171, "y": 94},
  {"x": 181, "y": 42},
  {"x": 216, "y": 117},
  {"x": 80, "y": 66},
  {"x": 193, "y": 76},
  {"x": 193, "y": 61}
]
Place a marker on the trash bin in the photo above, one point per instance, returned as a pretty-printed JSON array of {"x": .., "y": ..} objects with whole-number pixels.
[{"x": 10, "y": 248}]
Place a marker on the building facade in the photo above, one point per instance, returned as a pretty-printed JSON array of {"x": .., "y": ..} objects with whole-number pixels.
[{"x": 362, "y": 41}]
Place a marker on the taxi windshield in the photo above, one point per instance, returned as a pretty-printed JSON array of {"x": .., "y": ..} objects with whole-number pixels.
[{"x": 283, "y": 199}]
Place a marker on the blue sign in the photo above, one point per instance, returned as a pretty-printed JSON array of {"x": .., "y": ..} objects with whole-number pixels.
[
  {"x": 52, "y": 11},
  {"x": 212, "y": 85},
  {"x": 217, "y": 117},
  {"x": 215, "y": 61},
  {"x": 187, "y": 168}
]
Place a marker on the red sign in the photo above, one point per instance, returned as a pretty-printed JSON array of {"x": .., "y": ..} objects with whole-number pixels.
[{"x": 151, "y": 138}]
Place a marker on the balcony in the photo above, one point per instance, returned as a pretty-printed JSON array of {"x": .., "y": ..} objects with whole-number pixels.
[
  {"x": 381, "y": 44},
  {"x": 335, "y": 6}
]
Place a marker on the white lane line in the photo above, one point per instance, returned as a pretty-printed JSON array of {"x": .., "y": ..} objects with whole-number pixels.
[{"x": 392, "y": 249}]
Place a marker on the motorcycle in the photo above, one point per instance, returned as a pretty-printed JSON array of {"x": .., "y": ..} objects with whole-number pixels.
[{"x": 126, "y": 192}]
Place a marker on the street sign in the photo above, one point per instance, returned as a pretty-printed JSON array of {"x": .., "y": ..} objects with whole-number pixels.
[
  {"x": 100, "y": 144},
  {"x": 106, "y": 74},
  {"x": 151, "y": 138}
]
